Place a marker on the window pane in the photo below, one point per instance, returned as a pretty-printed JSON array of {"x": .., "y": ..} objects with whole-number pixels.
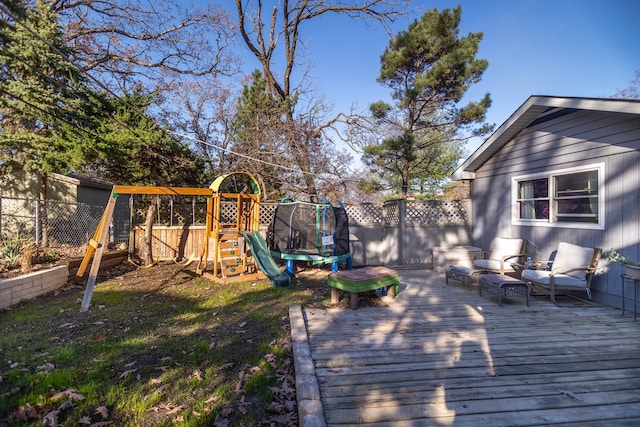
[
  {"x": 533, "y": 189},
  {"x": 576, "y": 197},
  {"x": 577, "y": 184},
  {"x": 534, "y": 209}
]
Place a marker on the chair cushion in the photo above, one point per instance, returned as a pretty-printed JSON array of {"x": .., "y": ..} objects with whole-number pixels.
[
  {"x": 503, "y": 246},
  {"x": 573, "y": 256},
  {"x": 543, "y": 277},
  {"x": 492, "y": 264}
]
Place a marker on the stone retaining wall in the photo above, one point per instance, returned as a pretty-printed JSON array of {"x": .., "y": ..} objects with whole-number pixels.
[
  {"x": 41, "y": 282},
  {"x": 32, "y": 285}
]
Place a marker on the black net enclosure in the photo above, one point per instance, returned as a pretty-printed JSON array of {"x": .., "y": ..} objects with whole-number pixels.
[{"x": 304, "y": 228}]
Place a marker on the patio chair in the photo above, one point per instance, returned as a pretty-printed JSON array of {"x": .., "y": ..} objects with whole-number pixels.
[
  {"x": 504, "y": 251},
  {"x": 572, "y": 269}
]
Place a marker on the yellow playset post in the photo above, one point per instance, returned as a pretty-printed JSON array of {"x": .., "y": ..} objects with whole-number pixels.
[{"x": 232, "y": 260}]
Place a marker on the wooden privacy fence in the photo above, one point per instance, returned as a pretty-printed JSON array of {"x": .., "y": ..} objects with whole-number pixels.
[{"x": 399, "y": 232}]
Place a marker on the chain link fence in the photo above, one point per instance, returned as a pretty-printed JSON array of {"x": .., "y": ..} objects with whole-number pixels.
[{"x": 68, "y": 225}]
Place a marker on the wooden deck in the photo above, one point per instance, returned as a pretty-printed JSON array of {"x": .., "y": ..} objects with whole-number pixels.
[{"x": 441, "y": 355}]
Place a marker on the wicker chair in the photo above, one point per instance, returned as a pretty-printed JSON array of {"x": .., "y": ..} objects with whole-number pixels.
[{"x": 572, "y": 269}]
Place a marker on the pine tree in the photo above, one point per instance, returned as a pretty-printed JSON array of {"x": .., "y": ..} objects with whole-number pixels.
[
  {"x": 428, "y": 69},
  {"x": 45, "y": 110}
]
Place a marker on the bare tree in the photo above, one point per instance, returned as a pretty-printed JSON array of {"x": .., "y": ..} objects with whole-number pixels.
[
  {"x": 631, "y": 92},
  {"x": 204, "y": 109},
  {"x": 264, "y": 31},
  {"x": 126, "y": 43}
]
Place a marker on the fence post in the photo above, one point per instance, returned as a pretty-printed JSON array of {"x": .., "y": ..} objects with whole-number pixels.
[
  {"x": 37, "y": 223},
  {"x": 402, "y": 213}
]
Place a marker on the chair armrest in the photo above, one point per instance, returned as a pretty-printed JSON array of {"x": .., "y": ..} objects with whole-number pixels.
[
  {"x": 506, "y": 257},
  {"x": 564, "y": 270}
]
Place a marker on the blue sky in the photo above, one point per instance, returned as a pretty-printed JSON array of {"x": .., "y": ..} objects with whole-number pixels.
[{"x": 585, "y": 48}]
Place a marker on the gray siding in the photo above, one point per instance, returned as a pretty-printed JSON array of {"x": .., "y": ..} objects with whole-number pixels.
[{"x": 580, "y": 138}]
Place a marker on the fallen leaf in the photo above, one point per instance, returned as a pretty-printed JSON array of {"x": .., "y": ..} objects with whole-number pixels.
[
  {"x": 103, "y": 411},
  {"x": 125, "y": 374},
  {"x": 50, "y": 420},
  {"x": 66, "y": 405},
  {"x": 197, "y": 374},
  {"x": 177, "y": 409},
  {"x": 46, "y": 367},
  {"x": 70, "y": 393},
  {"x": 130, "y": 365},
  {"x": 290, "y": 405},
  {"x": 242, "y": 325},
  {"x": 84, "y": 420}
]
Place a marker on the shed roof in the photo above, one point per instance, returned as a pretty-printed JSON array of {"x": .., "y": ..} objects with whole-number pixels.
[{"x": 535, "y": 108}]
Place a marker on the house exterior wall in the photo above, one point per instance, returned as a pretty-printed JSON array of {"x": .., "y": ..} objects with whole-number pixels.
[{"x": 582, "y": 137}]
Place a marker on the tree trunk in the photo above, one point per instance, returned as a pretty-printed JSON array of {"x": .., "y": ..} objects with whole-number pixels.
[
  {"x": 44, "y": 216},
  {"x": 148, "y": 230}
]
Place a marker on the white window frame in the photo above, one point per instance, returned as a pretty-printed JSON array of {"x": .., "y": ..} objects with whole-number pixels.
[{"x": 553, "y": 221}]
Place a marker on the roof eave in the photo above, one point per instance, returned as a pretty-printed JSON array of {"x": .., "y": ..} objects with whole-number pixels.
[{"x": 534, "y": 107}]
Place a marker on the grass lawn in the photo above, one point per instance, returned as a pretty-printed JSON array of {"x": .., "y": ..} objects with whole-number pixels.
[{"x": 158, "y": 346}]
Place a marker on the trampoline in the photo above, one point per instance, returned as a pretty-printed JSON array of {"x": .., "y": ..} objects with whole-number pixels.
[{"x": 313, "y": 232}]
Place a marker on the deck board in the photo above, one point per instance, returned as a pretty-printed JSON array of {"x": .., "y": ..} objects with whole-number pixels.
[{"x": 440, "y": 355}]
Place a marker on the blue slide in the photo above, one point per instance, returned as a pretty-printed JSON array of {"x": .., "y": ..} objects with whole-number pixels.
[{"x": 266, "y": 264}]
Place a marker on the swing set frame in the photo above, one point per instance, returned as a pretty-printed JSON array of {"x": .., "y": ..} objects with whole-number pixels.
[{"x": 226, "y": 238}]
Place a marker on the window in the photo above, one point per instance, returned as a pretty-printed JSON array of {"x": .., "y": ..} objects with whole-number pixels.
[{"x": 563, "y": 198}]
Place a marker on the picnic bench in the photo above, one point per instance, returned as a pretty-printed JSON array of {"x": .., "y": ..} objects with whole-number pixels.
[{"x": 362, "y": 280}]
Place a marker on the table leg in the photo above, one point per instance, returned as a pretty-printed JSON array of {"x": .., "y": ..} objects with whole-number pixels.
[
  {"x": 354, "y": 300},
  {"x": 334, "y": 295},
  {"x": 391, "y": 291}
]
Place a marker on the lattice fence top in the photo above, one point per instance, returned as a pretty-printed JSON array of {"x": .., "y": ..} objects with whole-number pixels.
[
  {"x": 437, "y": 212},
  {"x": 391, "y": 213},
  {"x": 365, "y": 214}
]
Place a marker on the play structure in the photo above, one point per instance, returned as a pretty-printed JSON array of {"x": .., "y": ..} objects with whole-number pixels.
[
  {"x": 235, "y": 245},
  {"x": 314, "y": 232},
  {"x": 239, "y": 251}
]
